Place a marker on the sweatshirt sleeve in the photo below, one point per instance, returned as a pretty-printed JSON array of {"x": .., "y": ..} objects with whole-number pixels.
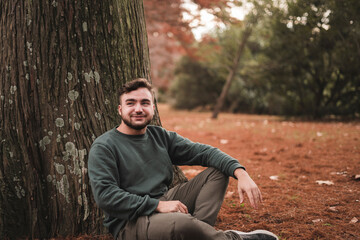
[
  {"x": 105, "y": 184},
  {"x": 182, "y": 151}
]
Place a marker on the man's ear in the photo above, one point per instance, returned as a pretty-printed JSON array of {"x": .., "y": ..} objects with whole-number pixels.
[{"x": 119, "y": 109}]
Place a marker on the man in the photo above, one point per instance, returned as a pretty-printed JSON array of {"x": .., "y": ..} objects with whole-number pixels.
[{"x": 130, "y": 169}]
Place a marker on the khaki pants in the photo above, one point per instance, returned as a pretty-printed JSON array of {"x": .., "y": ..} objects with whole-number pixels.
[{"x": 203, "y": 196}]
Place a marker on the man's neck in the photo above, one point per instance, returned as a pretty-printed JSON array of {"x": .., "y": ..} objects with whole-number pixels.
[{"x": 123, "y": 128}]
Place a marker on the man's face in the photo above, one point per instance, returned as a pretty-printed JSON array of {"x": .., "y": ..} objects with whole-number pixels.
[{"x": 137, "y": 108}]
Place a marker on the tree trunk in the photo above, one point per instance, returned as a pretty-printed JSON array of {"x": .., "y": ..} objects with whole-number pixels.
[
  {"x": 232, "y": 72},
  {"x": 62, "y": 62}
]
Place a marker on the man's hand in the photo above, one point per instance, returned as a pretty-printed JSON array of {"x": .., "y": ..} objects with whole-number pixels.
[
  {"x": 248, "y": 186},
  {"x": 171, "y": 206}
]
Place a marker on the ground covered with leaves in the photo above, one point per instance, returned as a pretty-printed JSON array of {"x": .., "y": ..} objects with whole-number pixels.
[{"x": 305, "y": 170}]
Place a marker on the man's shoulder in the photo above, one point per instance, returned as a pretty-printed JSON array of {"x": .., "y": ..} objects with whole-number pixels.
[
  {"x": 154, "y": 128},
  {"x": 105, "y": 137},
  {"x": 157, "y": 131},
  {"x": 161, "y": 133}
]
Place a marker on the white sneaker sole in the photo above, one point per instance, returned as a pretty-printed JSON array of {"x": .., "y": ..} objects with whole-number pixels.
[{"x": 256, "y": 232}]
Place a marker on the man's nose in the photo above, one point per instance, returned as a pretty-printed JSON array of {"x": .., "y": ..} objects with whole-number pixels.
[{"x": 138, "y": 108}]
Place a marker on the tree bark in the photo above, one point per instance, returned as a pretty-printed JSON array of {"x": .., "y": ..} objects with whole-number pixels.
[
  {"x": 62, "y": 62},
  {"x": 220, "y": 101}
]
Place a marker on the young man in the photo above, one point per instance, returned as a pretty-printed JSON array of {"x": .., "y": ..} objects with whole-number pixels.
[{"x": 130, "y": 169}]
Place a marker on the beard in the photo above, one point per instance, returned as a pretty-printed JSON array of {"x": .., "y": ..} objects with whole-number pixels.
[{"x": 135, "y": 126}]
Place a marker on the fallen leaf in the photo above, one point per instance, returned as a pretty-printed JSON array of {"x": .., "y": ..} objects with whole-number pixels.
[
  {"x": 333, "y": 209},
  {"x": 224, "y": 141},
  {"x": 320, "y": 182},
  {"x": 317, "y": 220},
  {"x": 339, "y": 173},
  {"x": 229, "y": 194},
  {"x": 319, "y": 134},
  {"x": 354, "y": 220},
  {"x": 275, "y": 178}
]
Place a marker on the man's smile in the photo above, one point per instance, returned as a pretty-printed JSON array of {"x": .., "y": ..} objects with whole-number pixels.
[{"x": 138, "y": 117}]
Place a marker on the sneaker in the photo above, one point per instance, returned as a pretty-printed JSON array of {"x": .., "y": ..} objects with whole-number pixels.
[{"x": 256, "y": 235}]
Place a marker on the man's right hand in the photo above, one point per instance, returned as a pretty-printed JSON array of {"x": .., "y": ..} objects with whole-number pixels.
[{"x": 171, "y": 206}]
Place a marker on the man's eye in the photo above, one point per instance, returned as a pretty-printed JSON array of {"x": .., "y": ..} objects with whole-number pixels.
[{"x": 130, "y": 104}]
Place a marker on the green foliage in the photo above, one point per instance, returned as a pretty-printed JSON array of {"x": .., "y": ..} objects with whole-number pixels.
[
  {"x": 194, "y": 85},
  {"x": 313, "y": 57},
  {"x": 302, "y": 59},
  {"x": 198, "y": 82}
]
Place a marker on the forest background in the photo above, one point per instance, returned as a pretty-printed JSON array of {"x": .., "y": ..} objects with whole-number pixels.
[{"x": 299, "y": 58}]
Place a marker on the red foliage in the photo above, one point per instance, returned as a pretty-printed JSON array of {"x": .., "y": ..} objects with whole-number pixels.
[
  {"x": 170, "y": 36},
  {"x": 211, "y": 4}
]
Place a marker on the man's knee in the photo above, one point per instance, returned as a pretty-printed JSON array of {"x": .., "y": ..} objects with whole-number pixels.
[
  {"x": 215, "y": 174},
  {"x": 176, "y": 226},
  {"x": 185, "y": 227}
]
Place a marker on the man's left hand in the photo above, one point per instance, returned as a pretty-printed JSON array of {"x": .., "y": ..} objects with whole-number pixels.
[{"x": 248, "y": 186}]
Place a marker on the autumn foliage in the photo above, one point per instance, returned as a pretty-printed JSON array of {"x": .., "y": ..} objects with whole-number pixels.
[{"x": 170, "y": 36}]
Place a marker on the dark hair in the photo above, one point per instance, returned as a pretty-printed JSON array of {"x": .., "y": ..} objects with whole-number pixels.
[{"x": 134, "y": 85}]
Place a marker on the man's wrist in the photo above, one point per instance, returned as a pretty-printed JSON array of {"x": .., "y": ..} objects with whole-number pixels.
[{"x": 239, "y": 172}]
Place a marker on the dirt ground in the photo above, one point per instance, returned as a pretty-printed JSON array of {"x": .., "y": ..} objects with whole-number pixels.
[{"x": 286, "y": 159}]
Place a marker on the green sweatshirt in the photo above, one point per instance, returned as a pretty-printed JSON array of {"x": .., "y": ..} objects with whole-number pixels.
[{"x": 128, "y": 173}]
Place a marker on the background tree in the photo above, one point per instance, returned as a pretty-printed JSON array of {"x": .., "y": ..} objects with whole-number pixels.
[
  {"x": 170, "y": 37},
  {"x": 232, "y": 71},
  {"x": 195, "y": 85},
  {"x": 313, "y": 57},
  {"x": 170, "y": 34},
  {"x": 62, "y": 62},
  {"x": 199, "y": 81},
  {"x": 220, "y": 53}
]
